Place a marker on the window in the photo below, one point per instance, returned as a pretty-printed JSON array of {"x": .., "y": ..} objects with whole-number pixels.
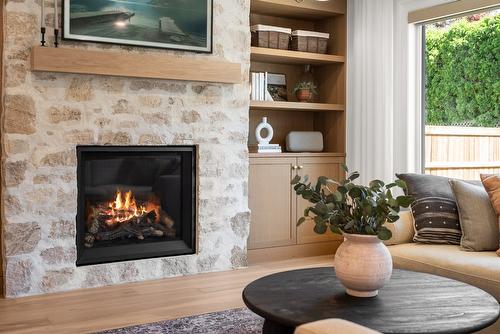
[{"x": 462, "y": 95}]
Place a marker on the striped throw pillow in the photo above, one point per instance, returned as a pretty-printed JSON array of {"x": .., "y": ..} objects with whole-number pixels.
[
  {"x": 436, "y": 221},
  {"x": 434, "y": 209}
]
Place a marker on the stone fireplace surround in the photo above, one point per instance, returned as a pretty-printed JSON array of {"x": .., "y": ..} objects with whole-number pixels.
[{"x": 47, "y": 115}]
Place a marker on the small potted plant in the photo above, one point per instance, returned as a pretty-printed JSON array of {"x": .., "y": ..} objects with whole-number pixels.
[
  {"x": 363, "y": 263},
  {"x": 305, "y": 90}
]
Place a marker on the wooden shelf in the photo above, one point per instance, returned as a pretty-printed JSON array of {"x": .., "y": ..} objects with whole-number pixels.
[
  {"x": 308, "y": 9},
  {"x": 276, "y": 56},
  {"x": 294, "y": 154},
  {"x": 161, "y": 66},
  {"x": 295, "y": 106}
]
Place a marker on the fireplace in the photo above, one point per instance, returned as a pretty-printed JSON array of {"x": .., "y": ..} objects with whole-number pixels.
[{"x": 135, "y": 202}]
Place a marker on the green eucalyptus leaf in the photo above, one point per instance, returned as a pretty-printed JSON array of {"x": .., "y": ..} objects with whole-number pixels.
[
  {"x": 307, "y": 194},
  {"x": 369, "y": 230},
  {"x": 337, "y": 196},
  {"x": 335, "y": 229},
  {"x": 392, "y": 218},
  {"x": 321, "y": 208},
  {"x": 353, "y": 176},
  {"x": 404, "y": 201},
  {"x": 376, "y": 184},
  {"x": 384, "y": 233},
  {"x": 344, "y": 167},
  {"x": 342, "y": 190},
  {"x": 320, "y": 228},
  {"x": 355, "y": 192},
  {"x": 296, "y": 179},
  {"x": 301, "y": 221},
  {"x": 401, "y": 184}
]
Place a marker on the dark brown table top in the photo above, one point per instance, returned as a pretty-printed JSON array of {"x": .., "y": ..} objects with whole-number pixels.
[{"x": 410, "y": 303}]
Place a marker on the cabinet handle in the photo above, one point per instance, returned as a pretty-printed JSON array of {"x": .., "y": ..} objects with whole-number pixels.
[
  {"x": 295, "y": 167},
  {"x": 301, "y": 167}
]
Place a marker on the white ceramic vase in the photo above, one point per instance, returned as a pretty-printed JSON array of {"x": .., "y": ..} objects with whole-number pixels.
[{"x": 363, "y": 264}]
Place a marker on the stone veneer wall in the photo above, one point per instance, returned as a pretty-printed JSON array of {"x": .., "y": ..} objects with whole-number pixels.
[{"x": 46, "y": 115}]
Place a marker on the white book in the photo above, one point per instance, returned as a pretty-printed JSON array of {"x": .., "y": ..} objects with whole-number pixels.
[
  {"x": 265, "y": 87},
  {"x": 265, "y": 146},
  {"x": 262, "y": 87},
  {"x": 269, "y": 151},
  {"x": 257, "y": 86},
  {"x": 254, "y": 86}
]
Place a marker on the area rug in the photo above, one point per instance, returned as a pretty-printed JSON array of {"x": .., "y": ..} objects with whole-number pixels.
[{"x": 236, "y": 321}]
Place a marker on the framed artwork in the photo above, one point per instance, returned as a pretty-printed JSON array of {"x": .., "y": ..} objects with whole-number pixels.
[
  {"x": 168, "y": 24},
  {"x": 276, "y": 85}
]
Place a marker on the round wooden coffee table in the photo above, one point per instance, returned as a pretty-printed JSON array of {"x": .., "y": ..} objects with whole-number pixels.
[{"x": 410, "y": 303}]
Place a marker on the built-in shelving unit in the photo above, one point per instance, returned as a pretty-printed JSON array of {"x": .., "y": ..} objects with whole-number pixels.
[
  {"x": 275, "y": 206},
  {"x": 326, "y": 113}
]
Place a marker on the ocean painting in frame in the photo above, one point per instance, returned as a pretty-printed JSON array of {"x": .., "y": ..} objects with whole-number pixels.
[{"x": 169, "y": 24}]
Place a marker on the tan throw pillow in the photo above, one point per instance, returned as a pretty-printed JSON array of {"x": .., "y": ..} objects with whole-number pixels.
[{"x": 491, "y": 183}]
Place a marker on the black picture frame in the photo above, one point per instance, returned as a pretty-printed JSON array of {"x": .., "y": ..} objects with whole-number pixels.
[{"x": 67, "y": 34}]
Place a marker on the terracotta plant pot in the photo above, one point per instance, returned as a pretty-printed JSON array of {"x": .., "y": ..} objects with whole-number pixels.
[
  {"x": 304, "y": 95},
  {"x": 363, "y": 264}
]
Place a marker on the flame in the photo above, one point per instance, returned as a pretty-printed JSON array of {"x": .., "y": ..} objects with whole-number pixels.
[{"x": 124, "y": 208}]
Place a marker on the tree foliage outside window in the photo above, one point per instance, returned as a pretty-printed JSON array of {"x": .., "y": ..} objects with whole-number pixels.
[{"x": 463, "y": 72}]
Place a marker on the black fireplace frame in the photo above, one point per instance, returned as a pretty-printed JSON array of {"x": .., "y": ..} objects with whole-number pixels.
[{"x": 185, "y": 246}]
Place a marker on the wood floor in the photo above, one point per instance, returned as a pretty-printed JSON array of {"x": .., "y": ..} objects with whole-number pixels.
[{"x": 91, "y": 310}]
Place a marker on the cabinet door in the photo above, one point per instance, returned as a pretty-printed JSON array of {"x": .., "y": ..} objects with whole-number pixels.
[
  {"x": 314, "y": 168},
  {"x": 272, "y": 202}
]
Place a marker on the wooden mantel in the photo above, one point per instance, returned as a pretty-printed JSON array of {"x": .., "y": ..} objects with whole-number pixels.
[{"x": 154, "y": 66}]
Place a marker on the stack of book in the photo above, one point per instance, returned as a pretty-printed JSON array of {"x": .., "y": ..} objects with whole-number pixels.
[
  {"x": 265, "y": 148},
  {"x": 259, "y": 87}
]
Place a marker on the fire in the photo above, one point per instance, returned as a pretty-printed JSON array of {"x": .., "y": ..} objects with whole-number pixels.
[{"x": 125, "y": 207}]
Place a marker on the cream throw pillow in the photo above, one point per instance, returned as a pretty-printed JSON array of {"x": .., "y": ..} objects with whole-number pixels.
[{"x": 491, "y": 183}]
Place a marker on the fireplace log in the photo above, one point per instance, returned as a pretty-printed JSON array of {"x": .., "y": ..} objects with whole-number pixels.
[{"x": 141, "y": 227}]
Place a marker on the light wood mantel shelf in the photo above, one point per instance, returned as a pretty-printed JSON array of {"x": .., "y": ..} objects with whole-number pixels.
[{"x": 65, "y": 60}]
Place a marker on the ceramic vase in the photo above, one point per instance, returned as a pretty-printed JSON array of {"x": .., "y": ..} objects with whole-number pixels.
[{"x": 363, "y": 264}]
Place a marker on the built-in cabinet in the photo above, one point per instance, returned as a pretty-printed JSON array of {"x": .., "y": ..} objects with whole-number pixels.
[
  {"x": 275, "y": 206},
  {"x": 272, "y": 202}
]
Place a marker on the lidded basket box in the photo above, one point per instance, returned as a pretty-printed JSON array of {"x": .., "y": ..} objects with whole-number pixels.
[
  {"x": 273, "y": 37},
  {"x": 309, "y": 41}
]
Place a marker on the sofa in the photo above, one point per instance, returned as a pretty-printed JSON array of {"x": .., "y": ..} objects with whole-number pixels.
[{"x": 481, "y": 269}]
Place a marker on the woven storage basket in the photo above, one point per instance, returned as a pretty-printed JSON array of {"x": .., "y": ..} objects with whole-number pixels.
[
  {"x": 265, "y": 36},
  {"x": 309, "y": 41}
]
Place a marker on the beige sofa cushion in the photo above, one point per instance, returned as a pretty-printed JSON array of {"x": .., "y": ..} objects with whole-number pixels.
[
  {"x": 330, "y": 326},
  {"x": 402, "y": 230},
  {"x": 481, "y": 269}
]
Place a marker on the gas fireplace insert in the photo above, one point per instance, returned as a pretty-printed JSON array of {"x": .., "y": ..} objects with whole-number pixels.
[{"x": 135, "y": 202}]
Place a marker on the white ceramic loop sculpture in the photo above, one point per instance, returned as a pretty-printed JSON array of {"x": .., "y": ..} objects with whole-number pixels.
[{"x": 270, "y": 132}]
